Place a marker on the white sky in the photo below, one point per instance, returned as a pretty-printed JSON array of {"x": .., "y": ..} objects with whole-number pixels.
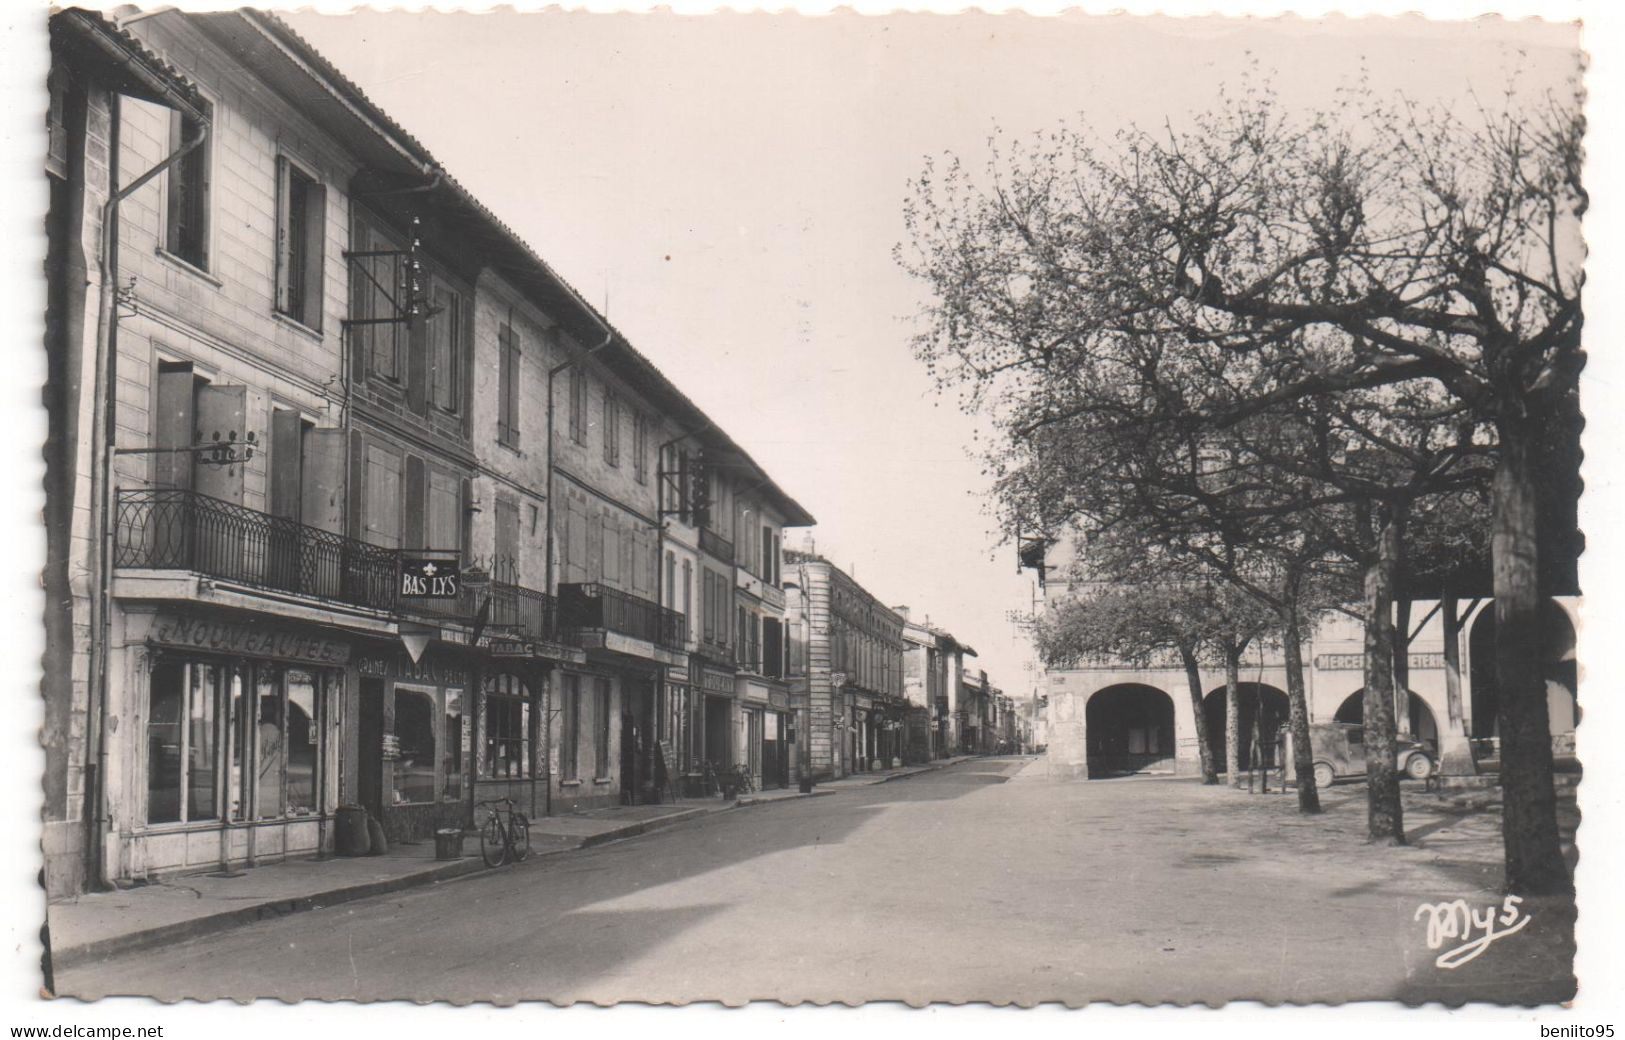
[
  {"x": 630, "y": 142},
  {"x": 733, "y": 187}
]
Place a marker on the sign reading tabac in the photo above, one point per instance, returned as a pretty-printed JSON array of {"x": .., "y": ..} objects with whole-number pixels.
[
  {"x": 250, "y": 638},
  {"x": 425, "y": 577}
]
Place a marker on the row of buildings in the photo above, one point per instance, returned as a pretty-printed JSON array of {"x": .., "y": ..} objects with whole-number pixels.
[{"x": 352, "y": 499}]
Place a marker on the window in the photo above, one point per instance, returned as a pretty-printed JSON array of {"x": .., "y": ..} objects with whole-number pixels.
[
  {"x": 415, "y": 739},
  {"x": 508, "y": 386},
  {"x": 451, "y": 759},
  {"x": 612, "y": 428},
  {"x": 600, "y": 728},
  {"x": 772, "y": 648},
  {"x": 243, "y": 740},
  {"x": 640, "y": 447},
  {"x": 570, "y": 729},
  {"x": 578, "y": 406},
  {"x": 768, "y": 544},
  {"x": 186, "y": 236},
  {"x": 446, "y": 350},
  {"x": 182, "y": 742},
  {"x": 301, "y": 229},
  {"x": 505, "y": 754}
]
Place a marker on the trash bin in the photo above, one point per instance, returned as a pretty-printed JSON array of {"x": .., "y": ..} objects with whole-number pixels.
[
  {"x": 350, "y": 836},
  {"x": 448, "y": 843}
]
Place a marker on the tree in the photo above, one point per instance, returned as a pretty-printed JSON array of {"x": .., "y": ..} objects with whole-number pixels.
[{"x": 1380, "y": 249}]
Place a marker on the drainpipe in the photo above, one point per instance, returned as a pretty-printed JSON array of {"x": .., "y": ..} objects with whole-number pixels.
[{"x": 102, "y": 438}]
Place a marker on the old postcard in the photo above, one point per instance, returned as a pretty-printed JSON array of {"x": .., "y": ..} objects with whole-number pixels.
[{"x": 564, "y": 506}]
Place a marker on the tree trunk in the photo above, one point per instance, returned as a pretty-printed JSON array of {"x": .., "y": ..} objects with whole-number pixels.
[
  {"x": 1303, "y": 756},
  {"x": 1455, "y": 751},
  {"x": 1232, "y": 713},
  {"x": 1402, "y": 653},
  {"x": 1385, "y": 819},
  {"x": 1534, "y": 853},
  {"x": 1193, "y": 679}
]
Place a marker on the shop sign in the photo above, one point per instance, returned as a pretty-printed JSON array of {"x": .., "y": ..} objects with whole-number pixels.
[
  {"x": 1356, "y": 662},
  {"x": 677, "y": 674},
  {"x": 755, "y": 692},
  {"x": 713, "y": 681},
  {"x": 253, "y": 639},
  {"x": 779, "y": 699},
  {"x": 398, "y": 666},
  {"x": 425, "y": 577}
]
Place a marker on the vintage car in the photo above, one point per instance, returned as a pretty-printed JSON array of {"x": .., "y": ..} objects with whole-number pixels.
[{"x": 1339, "y": 751}]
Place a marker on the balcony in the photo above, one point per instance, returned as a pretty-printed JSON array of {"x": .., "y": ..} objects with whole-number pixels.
[
  {"x": 716, "y": 545},
  {"x": 589, "y": 605},
  {"x": 173, "y": 529}
]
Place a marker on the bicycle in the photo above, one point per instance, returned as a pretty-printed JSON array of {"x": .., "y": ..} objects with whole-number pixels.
[{"x": 505, "y": 837}]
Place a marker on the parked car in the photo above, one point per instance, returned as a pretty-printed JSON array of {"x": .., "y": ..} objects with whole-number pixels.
[{"x": 1338, "y": 751}]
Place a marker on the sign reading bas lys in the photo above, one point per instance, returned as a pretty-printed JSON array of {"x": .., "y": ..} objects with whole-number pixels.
[{"x": 428, "y": 578}]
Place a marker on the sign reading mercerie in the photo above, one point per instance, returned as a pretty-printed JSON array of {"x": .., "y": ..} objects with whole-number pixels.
[{"x": 429, "y": 578}]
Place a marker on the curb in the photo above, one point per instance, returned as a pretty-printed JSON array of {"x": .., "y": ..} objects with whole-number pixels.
[
  {"x": 62, "y": 957},
  {"x": 641, "y": 827}
]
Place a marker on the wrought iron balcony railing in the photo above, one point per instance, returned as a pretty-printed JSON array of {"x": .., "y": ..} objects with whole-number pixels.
[
  {"x": 716, "y": 545},
  {"x": 590, "y": 605},
  {"x": 175, "y": 529}
]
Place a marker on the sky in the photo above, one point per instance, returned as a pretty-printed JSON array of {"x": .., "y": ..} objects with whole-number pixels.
[{"x": 729, "y": 189}]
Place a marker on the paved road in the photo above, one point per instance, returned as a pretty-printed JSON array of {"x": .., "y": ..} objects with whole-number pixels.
[{"x": 983, "y": 881}]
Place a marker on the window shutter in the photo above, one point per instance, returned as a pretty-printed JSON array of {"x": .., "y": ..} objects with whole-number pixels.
[{"x": 414, "y": 537}]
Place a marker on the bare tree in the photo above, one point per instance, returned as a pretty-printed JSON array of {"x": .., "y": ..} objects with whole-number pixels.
[{"x": 1429, "y": 261}]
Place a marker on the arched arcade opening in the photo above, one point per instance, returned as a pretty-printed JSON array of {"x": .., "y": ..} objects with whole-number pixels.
[
  {"x": 1418, "y": 721},
  {"x": 1130, "y": 729},
  {"x": 1263, "y": 703},
  {"x": 1558, "y": 665}
]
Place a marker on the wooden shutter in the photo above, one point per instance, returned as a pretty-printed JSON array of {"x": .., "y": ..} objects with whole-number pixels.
[
  {"x": 510, "y": 391},
  {"x": 223, "y": 410},
  {"x": 417, "y": 362},
  {"x": 382, "y": 522},
  {"x": 321, "y": 494},
  {"x": 507, "y": 533},
  {"x": 174, "y": 424},
  {"x": 445, "y": 512}
]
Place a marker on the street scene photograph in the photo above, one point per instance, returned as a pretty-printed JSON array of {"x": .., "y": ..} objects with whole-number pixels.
[{"x": 603, "y": 508}]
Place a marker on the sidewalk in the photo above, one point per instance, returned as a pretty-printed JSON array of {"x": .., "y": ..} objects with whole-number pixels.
[{"x": 100, "y": 924}]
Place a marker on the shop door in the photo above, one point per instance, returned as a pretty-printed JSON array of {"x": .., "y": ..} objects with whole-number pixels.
[{"x": 370, "y": 734}]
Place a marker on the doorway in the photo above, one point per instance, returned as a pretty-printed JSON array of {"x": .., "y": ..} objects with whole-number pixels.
[{"x": 370, "y": 734}]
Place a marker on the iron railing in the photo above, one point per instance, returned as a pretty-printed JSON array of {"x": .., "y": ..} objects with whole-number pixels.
[
  {"x": 175, "y": 529},
  {"x": 590, "y": 605},
  {"x": 716, "y": 545}
]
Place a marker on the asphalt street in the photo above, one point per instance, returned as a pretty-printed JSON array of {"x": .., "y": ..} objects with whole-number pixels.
[{"x": 985, "y": 881}]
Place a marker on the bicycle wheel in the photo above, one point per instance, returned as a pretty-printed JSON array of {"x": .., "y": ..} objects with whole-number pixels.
[
  {"x": 519, "y": 833},
  {"x": 493, "y": 844}
]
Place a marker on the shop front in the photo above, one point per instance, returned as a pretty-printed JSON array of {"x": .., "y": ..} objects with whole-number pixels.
[
  {"x": 231, "y": 758},
  {"x": 413, "y": 739},
  {"x": 716, "y": 745}
]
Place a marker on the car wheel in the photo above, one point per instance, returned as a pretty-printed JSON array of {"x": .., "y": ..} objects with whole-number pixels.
[
  {"x": 1324, "y": 775},
  {"x": 1419, "y": 767}
]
